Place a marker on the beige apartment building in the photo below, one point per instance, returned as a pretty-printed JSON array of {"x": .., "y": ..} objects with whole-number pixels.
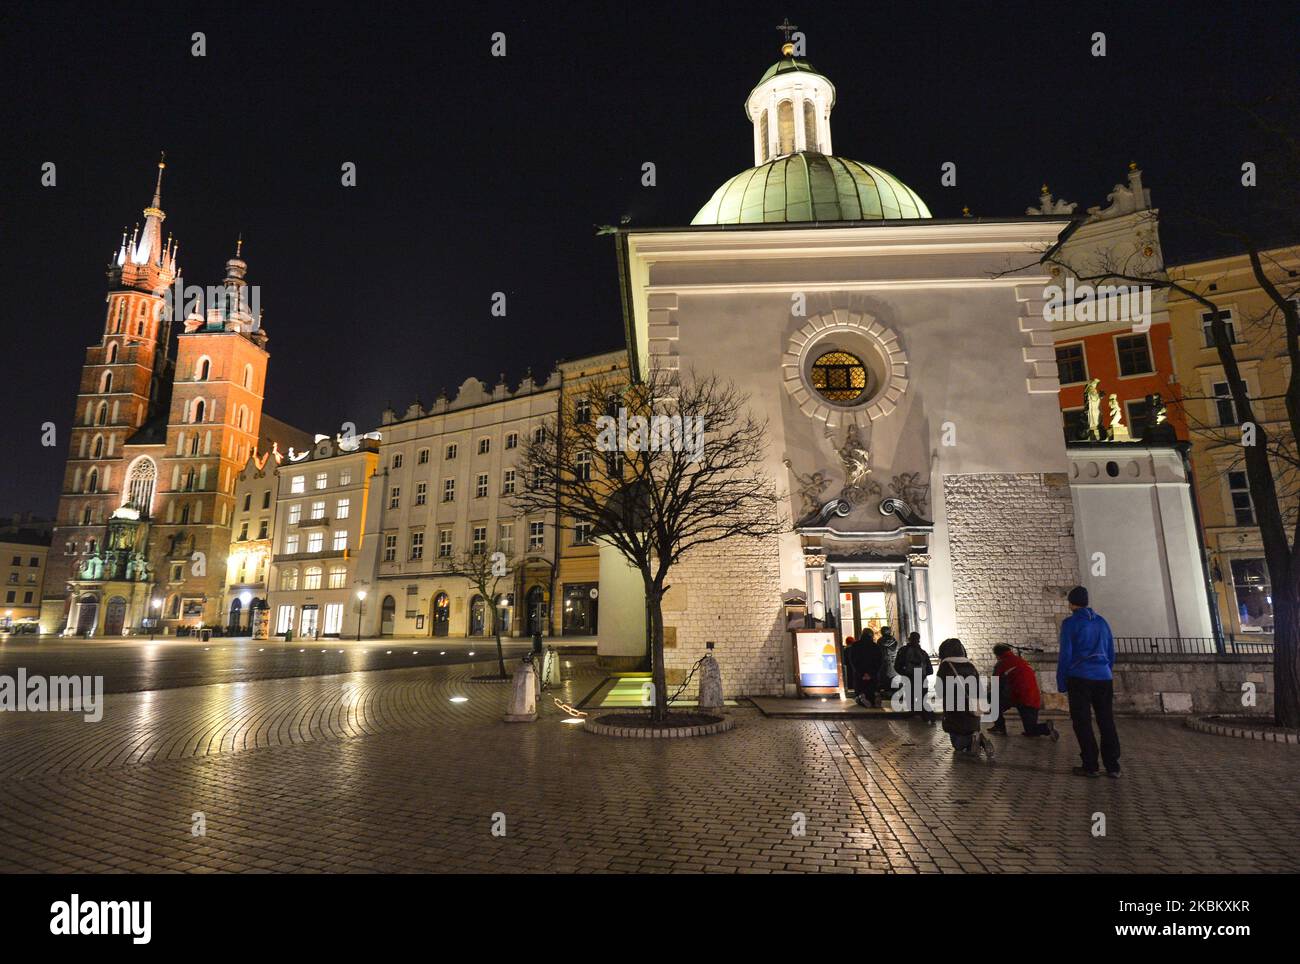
[
  {"x": 317, "y": 532},
  {"x": 22, "y": 569},
  {"x": 1236, "y": 558},
  {"x": 444, "y": 487}
]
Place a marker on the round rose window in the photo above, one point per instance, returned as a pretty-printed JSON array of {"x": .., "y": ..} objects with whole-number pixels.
[{"x": 839, "y": 377}]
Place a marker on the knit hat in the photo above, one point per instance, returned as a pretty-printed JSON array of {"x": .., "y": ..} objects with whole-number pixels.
[{"x": 1078, "y": 597}]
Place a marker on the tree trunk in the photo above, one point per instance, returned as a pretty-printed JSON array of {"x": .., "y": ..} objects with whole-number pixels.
[
  {"x": 659, "y": 676},
  {"x": 496, "y": 631},
  {"x": 1286, "y": 656}
]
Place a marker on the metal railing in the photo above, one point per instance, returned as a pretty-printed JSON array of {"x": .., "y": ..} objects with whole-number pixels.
[{"x": 1187, "y": 646}]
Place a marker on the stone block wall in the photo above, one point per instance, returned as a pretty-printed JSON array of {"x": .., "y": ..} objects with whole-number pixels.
[
  {"x": 1175, "y": 684},
  {"x": 1011, "y": 544},
  {"x": 730, "y": 594}
]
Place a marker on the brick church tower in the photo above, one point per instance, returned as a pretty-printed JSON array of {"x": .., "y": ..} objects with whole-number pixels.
[{"x": 143, "y": 523}]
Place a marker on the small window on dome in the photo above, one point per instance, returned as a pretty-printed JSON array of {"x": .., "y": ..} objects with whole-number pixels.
[
  {"x": 785, "y": 127},
  {"x": 810, "y": 126},
  {"x": 839, "y": 377},
  {"x": 763, "y": 135}
]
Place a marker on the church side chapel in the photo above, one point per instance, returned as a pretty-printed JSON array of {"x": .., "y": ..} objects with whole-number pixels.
[{"x": 906, "y": 367}]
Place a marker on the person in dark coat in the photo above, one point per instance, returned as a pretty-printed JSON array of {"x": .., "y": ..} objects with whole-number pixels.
[
  {"x": 1018, "y": 687},
  {"x": 850, "y": 680},
  {"x": 957, "y": 684},
  {"x": 913, "y": 664},
  {"x": 888, "y": 653},
  {"x": 866, "y": 668},
  {"x": 1084, "y": 670}
]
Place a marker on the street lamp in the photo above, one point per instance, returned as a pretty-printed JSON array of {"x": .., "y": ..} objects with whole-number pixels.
[
  {"x": 153, "y": 625},
  {"x": 361, "y": 605},
  {"x": 245, "y": 598}
]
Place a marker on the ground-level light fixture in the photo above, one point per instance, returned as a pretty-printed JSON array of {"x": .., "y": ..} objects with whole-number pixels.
[{"x": 459, "y": 699}]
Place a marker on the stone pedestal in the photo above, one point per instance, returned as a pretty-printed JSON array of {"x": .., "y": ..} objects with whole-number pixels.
[
  {"x": 523, "y": 695},
  {"x": 710, "y": 685}
]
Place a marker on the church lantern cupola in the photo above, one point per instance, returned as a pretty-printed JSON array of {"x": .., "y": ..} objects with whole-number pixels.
[{"x": 790, "y": 109}]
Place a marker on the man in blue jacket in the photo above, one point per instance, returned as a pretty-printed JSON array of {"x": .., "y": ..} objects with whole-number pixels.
[{"x": 1084, "y": 672}]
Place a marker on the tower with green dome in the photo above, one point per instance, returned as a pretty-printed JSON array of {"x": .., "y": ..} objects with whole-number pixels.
[{"x": 795, "y": 176}]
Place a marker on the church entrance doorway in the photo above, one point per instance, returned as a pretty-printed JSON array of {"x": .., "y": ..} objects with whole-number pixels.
[
  {"x": 115, "y": 616},
  {"x": 87, "y": 612}
]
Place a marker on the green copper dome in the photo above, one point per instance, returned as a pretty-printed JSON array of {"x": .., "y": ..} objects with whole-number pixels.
[
  {"x": 786, "y": 65},
  {"x": 811, "y": 187}
]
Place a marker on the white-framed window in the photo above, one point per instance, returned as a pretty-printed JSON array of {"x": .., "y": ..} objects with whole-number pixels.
[
  {"x": 295, "y": 513},
  {"x": 390, "y": 548},
  {"x": 444, "y": 544},
  {"x": 581, "y": 533},
  {"x": 484, "y": 445},
  {"x": 340, "y": 539},
  {"x": 1239, "y": 492},
  {"x": 1225, "y": 410},
  {"x": 448, "y": 490},
  {"x": 345, "y": 476},
  {"x": 1134, "y": 355},
  {"x": 291, "y": 544},
  {"x": 318, "y": 509},
  {"x": 536, "y": 535},
  {"x": 481, "y": 486},
  {"x": 1207, "y": 331},
  {"x": 397, "y": 460},
  {"x": 288, "y": 579},
  {"x": 338, "y": 577},
  {"x": 322, "y": 479},
  {"x": 582, "y": 466},
  {"x": 512, "y": 440},
  {"x": 298, "y": 484},
  {"x": 311, "y": 577},
  {"x": 417, "y": 545},
  {"x": 451, "y": 450},
  {"x": 421, "y": 493},
  {"x": 478, "y": 545},
  {"x": 1071, "y": 363},
  {"x": 422, "y": 457},
  {"x": 506, "y": 537},
  {"x": 315, "y": 541},
  {"x": 395, "y": 497},
  {"x": 508, "y": 482},
  {"x": 333, "y": 619},
  {"x": 539, "y": 434},
  {"x": 582, "y": 411},
  {"x": 342, "y": 508}
]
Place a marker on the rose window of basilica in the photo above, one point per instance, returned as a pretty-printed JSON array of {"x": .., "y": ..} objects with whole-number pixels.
[{"x": 839, "y": 377}]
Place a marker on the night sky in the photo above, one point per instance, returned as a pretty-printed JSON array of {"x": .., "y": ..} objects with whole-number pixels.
[{"x": 478, "y": 174}]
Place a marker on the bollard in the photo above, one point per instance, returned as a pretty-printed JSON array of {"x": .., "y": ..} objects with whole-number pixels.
[
  {"x": 710, "y": 700},
  {"x": 523, "y": 694},
  {"x": 551, "y": 668}
]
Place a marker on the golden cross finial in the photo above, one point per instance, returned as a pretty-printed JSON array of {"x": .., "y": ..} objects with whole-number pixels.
[
  {"x": 239, "y": 244},
  {"x": 787, "y": 28}
]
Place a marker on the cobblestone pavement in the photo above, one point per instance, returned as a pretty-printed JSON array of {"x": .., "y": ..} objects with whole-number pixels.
[
  {"x": 380, "y": 771},
  {"x": 131, "y": 665}
]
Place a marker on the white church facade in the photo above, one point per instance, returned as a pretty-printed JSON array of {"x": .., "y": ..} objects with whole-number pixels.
[{"x": 906, "y": 368}]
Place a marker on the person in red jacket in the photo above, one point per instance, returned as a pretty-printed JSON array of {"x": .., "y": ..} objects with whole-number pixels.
[{"x": 1018, "y": 687}]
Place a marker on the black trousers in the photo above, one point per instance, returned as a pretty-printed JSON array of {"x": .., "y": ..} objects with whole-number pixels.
[{"x": 1089, "y": 697}]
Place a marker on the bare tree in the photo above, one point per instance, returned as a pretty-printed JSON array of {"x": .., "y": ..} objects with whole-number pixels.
[
  {"x": 655, "y": 468},
  {"x": 485, "y": 571}
]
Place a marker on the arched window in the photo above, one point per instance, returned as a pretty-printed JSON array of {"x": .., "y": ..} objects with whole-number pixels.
[
  {"x": 141, "y": 478},
  {"x": 785, "y": 127},
  {"x": 311, "y": 577},
  {"x": 101, "y": 417},
  {"x": 288, "y": 579},
  {"x": 196, "y": 413},
  {"x": 85, "y": 521},
  {"x": 839, "y": 377},
  {"x": 106, "y": 384},
  {"x": 185, "y": 513},
  {"x": 174, "y": 607},
  {"x": 810, "y": 125},
  {"x": 248, "y": 377},
  {"x": 98, "y": 448},
  {"x": 764, "y": 133},
  {"x": 92, "y": 481},
  {"x": 241, "y": 418},
  {"x": 203, "y": 369},
  {"x": 112, "y": 353}
]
